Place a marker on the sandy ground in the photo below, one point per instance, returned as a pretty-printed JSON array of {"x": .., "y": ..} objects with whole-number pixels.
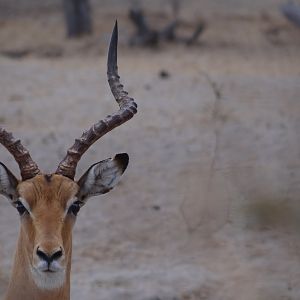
[{"x": 209, "y": 206}]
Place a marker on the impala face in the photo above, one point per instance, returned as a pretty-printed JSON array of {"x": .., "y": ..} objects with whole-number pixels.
[
  {"x": 48, "y": 207},
  {"x": 48, "y": 204}
]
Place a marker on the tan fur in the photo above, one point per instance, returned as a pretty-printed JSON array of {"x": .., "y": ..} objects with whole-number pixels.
[{"x": 49, "y": 228}]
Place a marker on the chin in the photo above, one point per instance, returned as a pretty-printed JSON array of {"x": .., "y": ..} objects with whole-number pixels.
[{"x": 48, "y": 280}]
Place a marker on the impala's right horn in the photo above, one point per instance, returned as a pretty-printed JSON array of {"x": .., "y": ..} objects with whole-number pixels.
[{"x": 128, "y": 108}]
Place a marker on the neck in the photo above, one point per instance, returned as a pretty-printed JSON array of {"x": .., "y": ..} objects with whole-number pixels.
[{"x": 22, "y": 286}]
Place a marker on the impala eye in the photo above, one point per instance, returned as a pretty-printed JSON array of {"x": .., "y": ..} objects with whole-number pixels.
[
  {"x": 21, "y": 208},
  {"x": 74, "y": 208}
]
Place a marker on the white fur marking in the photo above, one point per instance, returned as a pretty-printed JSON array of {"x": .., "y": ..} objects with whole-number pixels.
[
  {"x": 69, "y": 203},
  {"x": 48, "y": 280}
]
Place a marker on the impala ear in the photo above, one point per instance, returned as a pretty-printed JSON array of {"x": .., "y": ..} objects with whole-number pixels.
[
  {"x": 101, "y": 177},
  {"x": 8, "y": 183}
]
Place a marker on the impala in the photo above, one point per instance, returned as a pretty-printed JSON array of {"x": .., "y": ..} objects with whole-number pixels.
[{"x": 48, "y": 203}]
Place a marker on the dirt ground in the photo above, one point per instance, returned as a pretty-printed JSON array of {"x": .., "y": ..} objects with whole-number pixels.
[{"x": 209, "y": 206}]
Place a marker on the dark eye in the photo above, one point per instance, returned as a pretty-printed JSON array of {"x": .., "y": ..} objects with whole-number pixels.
[
  {"x": 21, "y": 208},
  {"x": 74, "y": 208}
]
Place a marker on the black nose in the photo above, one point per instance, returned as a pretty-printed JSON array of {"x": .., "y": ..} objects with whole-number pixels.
[{"x": 49, "y": 258}]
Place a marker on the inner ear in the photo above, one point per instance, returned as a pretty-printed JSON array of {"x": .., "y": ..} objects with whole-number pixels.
[
  {"x": 101, "y": 177},
  {"x": 8, "y": 183}
]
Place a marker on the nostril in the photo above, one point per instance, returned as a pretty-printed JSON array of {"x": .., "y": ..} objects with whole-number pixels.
[
  {"x": 58, "y": 254},
  {"x": 42, "y": 255},
  {"x": 49, "y": 258}
]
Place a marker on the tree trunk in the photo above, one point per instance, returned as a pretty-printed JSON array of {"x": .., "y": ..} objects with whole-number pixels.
[{"x": 78, "y": 17}]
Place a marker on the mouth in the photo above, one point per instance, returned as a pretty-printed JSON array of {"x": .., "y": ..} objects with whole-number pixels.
[
  {"x": 48, "y": 277},
  {"x": 49, "y": 271},
  {"x": 46, "y": 268}
]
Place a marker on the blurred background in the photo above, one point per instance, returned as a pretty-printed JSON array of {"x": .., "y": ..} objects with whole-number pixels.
[{"x": 209, "y": 206}]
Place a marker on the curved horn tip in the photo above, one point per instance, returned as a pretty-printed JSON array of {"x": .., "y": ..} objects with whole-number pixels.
[{"x": 113, "y": 50}]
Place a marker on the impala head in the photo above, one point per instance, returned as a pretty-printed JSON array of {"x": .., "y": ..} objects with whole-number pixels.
[{"x": 48, "y": 203}]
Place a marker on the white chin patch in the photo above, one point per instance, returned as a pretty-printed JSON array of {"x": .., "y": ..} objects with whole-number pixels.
[{"x": 48, "y": 280}]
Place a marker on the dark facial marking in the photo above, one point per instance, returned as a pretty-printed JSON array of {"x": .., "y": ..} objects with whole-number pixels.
[{"x": 48, "y": 177}]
